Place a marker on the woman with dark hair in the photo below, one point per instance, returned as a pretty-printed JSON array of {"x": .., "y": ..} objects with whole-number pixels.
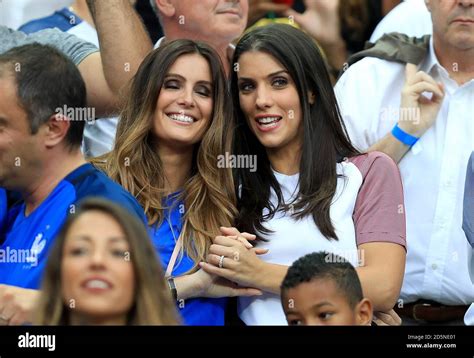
[
  {"x": 176, "y": 123},
  {"x": 103, "y": 271},
  {"x": 312, "y": 191}
]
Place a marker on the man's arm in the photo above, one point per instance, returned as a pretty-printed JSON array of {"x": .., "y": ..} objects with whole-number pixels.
[
  {"x": 99, "y": 93},
  {"x": 123, "y": 40},
  {"x": 417, "y": 113},
  {"x": 391, "y": 146},
  {"x": 84, "y": 55}
]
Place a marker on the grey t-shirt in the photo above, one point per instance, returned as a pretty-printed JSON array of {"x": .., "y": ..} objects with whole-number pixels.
[{"x": 72, "y": 46}]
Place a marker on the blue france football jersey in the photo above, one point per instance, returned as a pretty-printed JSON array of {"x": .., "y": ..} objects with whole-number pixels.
[
  {"x": 3, "y": 212},
  {"x": 27, "y": 239},
  {"x": 194, "y": 311}
]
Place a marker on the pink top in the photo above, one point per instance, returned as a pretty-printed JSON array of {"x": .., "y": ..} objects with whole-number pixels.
[{"x": 379, "y": 213}]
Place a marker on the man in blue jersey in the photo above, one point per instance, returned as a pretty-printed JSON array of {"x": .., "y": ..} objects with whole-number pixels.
[
  {"x": 42, "y": 102},
  {"x": 3, "y": 211}
]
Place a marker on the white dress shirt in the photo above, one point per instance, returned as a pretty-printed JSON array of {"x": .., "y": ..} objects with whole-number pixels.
[
  {"x": 433, "y": 172},
  {"x": 411, "y": 17}
]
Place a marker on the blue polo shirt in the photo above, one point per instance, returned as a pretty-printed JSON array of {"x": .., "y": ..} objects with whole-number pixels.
[
  {"x": 24, "y": 250},
  {"x": 62, "y": 19},
  {"x": 193, "y": 311}
]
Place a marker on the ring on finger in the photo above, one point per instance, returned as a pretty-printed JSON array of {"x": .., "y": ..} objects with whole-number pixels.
[{"x": 221, "y": 261}]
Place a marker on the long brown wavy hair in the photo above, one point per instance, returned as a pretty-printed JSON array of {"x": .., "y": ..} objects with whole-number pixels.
[
  {"x": 152, "y": 302},
  {"x": 134, "y": 163}
]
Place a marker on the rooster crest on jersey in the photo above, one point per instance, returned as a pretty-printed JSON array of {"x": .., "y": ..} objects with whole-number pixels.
[{"x": 36, "y": 249}]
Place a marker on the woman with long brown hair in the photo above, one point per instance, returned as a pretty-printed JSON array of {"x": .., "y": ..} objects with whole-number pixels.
[
  {"x": 103, "y": 270},
  {"x": 175, "y": 125}
]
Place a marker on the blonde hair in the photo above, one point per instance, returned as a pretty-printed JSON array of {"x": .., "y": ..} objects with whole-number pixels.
[
  {"x": 208, "y": 194},
  {"x": 152, "y": 304}
]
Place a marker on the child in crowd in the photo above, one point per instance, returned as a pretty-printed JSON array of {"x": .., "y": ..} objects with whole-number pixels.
[{"x": 324, "y": 289}]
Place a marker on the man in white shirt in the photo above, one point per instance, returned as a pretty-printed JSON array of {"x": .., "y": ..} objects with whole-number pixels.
[
  {"x": 431, "y": 139},
  {"x": 410, "y": 17}
]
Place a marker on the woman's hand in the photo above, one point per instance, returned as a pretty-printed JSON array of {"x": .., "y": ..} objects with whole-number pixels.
[
  {"x": 204, "y": 284},
  {"x": 389, "y": 318},
  {"x": 243, "y": 237},
  {"x": 231, "y": 259},
  {"x": 215, "y": 287}
]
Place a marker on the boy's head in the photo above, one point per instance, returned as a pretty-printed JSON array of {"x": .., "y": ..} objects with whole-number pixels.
[{"x": 324, "y": 289}]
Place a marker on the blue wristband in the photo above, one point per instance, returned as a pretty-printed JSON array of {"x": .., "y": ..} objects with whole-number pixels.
[{"x": 403, "y": 136}]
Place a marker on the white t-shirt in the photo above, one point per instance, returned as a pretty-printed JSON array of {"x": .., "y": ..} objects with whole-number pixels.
[{"x": 370, "y": 190}]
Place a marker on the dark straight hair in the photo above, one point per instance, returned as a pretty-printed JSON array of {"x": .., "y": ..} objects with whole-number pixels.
[{"x": 325, "y": 139}]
